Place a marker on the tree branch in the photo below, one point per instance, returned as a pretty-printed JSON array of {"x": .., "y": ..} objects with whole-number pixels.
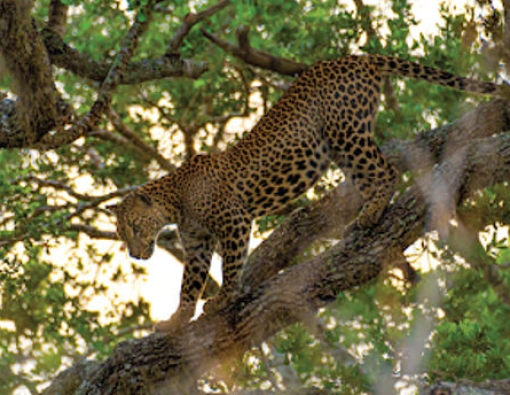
[
  {"x": 110, "y": 83},
  {"x": 171, "y": 362},
  {"x": 255, "y": 57},
  {"x": 31, "y": 129},
  {"x": 191, "y": 20},
  {"x": 57, "y": 17},
  {"x": 146, "y": 149},
  {"x": 505, "y": 42},
  {"x": 16, "y": 132},
  {"x": 113, "y": 77},
  {"x": 68, "y": 58},
  {"x": 324, "y": 218},
  {"x": 489, "y": 387},
  {"x": 92, "y": 232}
]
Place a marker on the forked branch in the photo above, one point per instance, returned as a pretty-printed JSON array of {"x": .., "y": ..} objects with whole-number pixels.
[
  {"x": 189, "y": 21},
  {"x": 110, "y": 83}
]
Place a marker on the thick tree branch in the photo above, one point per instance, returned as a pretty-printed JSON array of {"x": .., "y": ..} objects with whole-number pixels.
[
  {"x": 489, "y": 387},
  {"x": 15, "y": 132},
  {"x": 172, "y": 362},
  {"x": 168, "y": 65},
  {"x": 57, "y": 17},
  {"x": 68, "y": 58},
  {"x": 329, "y": 216},
  {"x": 26, "y": 123},
  {"x": 110, "y": 83},
  {"x": 505, "y": 44}
]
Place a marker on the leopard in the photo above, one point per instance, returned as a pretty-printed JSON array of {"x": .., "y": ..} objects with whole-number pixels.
[{"x": 325, "y": 117}]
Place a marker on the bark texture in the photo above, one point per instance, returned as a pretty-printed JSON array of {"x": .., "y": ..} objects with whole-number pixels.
[{"x": 26, "y": 59}]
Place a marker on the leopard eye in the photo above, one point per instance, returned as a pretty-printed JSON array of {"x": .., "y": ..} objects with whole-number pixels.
[{"x": 121, "y": 232}]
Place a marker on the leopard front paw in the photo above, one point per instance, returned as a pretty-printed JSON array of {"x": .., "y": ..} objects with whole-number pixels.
[
  {"x": 216, "y": 304},
  {"x": 180, "y": 318}
]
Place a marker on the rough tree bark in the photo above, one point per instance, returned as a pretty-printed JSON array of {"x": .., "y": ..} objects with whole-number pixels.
[{"x": 26, "y": 60}]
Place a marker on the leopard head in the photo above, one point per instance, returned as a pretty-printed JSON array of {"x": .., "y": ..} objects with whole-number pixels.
[{"x": 139, "y": 220}]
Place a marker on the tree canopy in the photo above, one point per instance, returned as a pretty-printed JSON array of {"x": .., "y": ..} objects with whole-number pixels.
[{"x": 97, "y": 97}]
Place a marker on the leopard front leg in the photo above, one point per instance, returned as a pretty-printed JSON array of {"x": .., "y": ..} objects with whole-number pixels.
[
  {"x": 234, "y": 241},
  {"x": 199, "y": 249}
]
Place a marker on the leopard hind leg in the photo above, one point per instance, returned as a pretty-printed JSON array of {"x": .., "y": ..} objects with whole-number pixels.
[{"x": 375, "y": 178}]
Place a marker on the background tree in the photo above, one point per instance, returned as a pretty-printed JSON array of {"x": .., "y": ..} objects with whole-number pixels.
[{"x": 99, "y": 96}]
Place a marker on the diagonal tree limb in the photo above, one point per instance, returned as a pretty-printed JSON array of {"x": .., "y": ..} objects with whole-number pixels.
[
  {"x": 146, "y": 149},
  {"x": 57, "y": 17},
  {"x": 189, "y": 21},
  {"x": 168, "y": 65},
  {"x": 113, "y": 78},
  {"x": 488, "y": 387},
  {"x": 329, "y": 216},
  {"x": 15, "y": 132},
  {"x": 41, "y": 109}
]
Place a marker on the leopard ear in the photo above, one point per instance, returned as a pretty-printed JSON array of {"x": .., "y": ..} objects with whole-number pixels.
[
  {"x": 113, "y": 208},
  {"x": 142, "y": 202},
  {"x": 144, "y": 198}
]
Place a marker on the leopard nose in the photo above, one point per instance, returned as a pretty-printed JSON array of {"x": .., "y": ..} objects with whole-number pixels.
[{"x": 134, "y": 255}]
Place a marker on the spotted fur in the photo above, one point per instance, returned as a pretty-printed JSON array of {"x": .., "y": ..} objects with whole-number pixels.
[{"x": 327, "y": 115}]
